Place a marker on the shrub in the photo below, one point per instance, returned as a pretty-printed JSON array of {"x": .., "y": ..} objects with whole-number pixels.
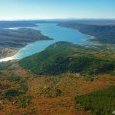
[
  {"x": 23, "y": 88},
  {"x": 16, "y": 79},
  {"x": 24, "y": 101},
  {"x": 11, "y": 93},
  {"x": 58, "y": 92}
]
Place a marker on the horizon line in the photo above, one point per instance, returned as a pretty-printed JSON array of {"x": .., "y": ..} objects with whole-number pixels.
[{"x": 29, "y": 19}]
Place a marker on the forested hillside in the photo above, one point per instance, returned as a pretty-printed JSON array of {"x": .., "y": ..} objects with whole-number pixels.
[{"x": 65, "y": 57}]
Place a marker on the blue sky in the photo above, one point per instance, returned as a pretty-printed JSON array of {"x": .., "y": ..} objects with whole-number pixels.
[{"x": 50, "y": 9}]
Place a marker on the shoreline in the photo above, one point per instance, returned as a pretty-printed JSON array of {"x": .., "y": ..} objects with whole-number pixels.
[
  {"x": 6, "y": 52},
  {"x": 9, "y": 50},
  {"x": 90, "y": 38}
]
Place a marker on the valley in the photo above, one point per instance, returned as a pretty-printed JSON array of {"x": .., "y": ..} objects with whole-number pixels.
[{"x": 47, "y": 87}]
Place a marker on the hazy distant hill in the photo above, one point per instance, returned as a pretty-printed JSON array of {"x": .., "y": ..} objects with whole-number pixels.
[
  {"x": 102, "y": 30},
  {"x": 26, "y": 23},
  {"x": 11, "y": 24},
  {"x": 19, "y": 37}
]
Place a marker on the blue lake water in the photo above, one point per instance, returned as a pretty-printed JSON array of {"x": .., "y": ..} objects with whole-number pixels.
[{"x": 51, "y": 30}]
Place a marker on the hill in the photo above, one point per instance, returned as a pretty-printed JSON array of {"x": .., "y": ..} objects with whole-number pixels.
[
  {"x": 19, "y": 37},
  {"x": 65, "y": 57},
  {"x": 103, "y": 31}
]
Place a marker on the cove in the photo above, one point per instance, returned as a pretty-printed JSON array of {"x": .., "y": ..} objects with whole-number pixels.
[{"x": 57, "y": 33}]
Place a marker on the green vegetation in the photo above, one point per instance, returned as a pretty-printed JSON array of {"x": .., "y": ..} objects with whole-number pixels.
[
  {"x": 23, "y": 88},
  {"x": 17, "y": 79},
  {"x": 3, "y": 66},
  {"x": 58, "y": 92},
  {"x": 13, "y": 89},
  {"x": 11, "y": 93},
  {"x": 21, "y": 81},
  {"x": 51, "y": 92},
  {"x": 100, "y": 102},
  {"x": 65, "y": 57},
  {"x": 24, "y": 101}
]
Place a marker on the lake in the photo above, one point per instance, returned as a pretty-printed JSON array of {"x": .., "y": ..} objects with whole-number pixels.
[{"x": 51, "y": 30}]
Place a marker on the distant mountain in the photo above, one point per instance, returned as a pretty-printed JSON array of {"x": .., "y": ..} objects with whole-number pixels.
[{"x": 25, "y": 23}]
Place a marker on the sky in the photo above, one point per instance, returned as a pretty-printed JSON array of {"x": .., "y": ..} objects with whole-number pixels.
[{"x": 55, "y": 9}]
